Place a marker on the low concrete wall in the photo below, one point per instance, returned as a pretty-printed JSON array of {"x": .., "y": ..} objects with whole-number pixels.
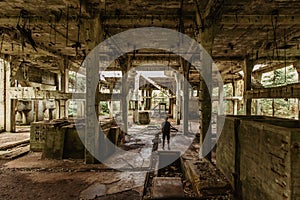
[
  {"x": 260, "y": 156},
  {"x": 59, "y": 139}
]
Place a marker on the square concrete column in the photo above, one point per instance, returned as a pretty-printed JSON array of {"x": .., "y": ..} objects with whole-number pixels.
[
  {"x": 136, "y": 97},
  {"x": 258, "y": 77},
  {"x": 64, "y": 87},
  {"x": 206, "y": 106},
  {"x": 247, "y": 68},
  {"x": 63, "y": 109},
  {"x": 234, "y": 101},
  {"x": 297, "y": 66},
  {"x": 80, "y": 109},
  {"x": 124, "y": 99},
  {"x": 94, "y": 35},
  {"x": 2, "y": 95},
  {"x": 221, "y": 100},
  {"x": 186, "y": 98},
  {"x": 92, "y": 135},
  {"x": 148, "y": 99},
  {"x": 178, "y": 98},
  {"x": 9, "y": 104}
]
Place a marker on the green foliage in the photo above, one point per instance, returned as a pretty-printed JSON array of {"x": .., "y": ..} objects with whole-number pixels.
[
  {"x": 72, "y": 109},
  {"x": 77, "y": 83},
  {"x": 280, "y": 77},
  {"x": 104, "y": 110},
  {"x": 228, "y": 90},
  {"x": 282, "y": 107}
]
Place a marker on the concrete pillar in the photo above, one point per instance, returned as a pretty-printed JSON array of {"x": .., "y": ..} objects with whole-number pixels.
[
  {"x": 63, "y": 109},
  {"x": 92, "y": 108},
  {"x": 64, "y": 83},
  {"x": 136, "y": 97},
  {"x": 258, "y": 104},
  {"x": 10, "y": 105},
  {"x": 11, "y": 115},
  {"x": 93, "y": 36},
  {"x": 178, "y": 97},
  {"x": 148, "y": 98},
  {"x": 124, "y": 99},
  {"x": 41, "y": 109},
  {"x": 56, "y": 115},
  {"x": 110, "y": 105},
  {"x": 186, "y": 98},
  {"x": 35, "y": 110},
  {"x": 206, "y": 38},
  {"x": 297, "y": 66},
  {"x": 64, "y": 86},
  {"x": 50, "y": 114},
  {"x": 92, "y": 137},
  {"x": 2, "y": 95},
  {"x": 247, "y": 68},
  {"x": 206, "y": 106},
  {"x": 171, "y": 106},
  {"x": 143, "y": 100},
  {"x": 221, "y": 100},
  {"x": 235, "y": 101},
  {"x": 80, "y": 109}
]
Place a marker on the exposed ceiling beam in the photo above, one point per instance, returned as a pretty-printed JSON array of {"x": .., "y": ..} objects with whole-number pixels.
[
  {"x": 269, "y": 68},
  {"x": 260, "y": 20}
]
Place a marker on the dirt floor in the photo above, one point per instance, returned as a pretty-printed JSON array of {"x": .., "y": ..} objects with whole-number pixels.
[
  {"x": 67, "y": 179},
  {"x": 30, "y": 177}
]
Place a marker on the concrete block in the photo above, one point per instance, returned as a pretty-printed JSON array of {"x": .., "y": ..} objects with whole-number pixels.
[
  {"x": 54, "y": 144},
  {"x": 257, "y": 154},
  {"x": 73, "y": 144},
  {"x": 167, "y": 187}
]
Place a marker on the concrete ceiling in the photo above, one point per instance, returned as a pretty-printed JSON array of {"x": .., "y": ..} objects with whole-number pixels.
[{"x": 263, "y": 30}]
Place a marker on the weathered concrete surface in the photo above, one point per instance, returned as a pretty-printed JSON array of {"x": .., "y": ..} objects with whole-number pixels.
[
  {"x": 133, "y": 154},
  {"x": 166, "y": 158},
  {"x": 167, "y": 187},
  {"x": 54, "y": 144},
  {"x": 93, "y": 191},
  {"x": 60, "y": 138},
  {"x": 206, "y": 179},
  {"x": 263, "y": 155},
  {"x": 66, "y": 179},
  {"x": 115, "y": 183},
  {"x": 68, "y": 185}
]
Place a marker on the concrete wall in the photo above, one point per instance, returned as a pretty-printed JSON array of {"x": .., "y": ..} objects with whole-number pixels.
[
  {"x": 2, "y": 96},
  {"x": 260, "y": 157}
]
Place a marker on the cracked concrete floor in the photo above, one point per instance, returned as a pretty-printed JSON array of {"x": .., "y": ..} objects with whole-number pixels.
[{"x": 29, "y": 177}]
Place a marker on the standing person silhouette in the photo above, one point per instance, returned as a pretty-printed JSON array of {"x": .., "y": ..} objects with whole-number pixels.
[{"x": 166, "y": 129}]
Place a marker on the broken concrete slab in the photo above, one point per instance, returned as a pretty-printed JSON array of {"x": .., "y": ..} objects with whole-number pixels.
[
  {"x": 167, "y": 187},
  {"x": 114, "y": 183},
  {"x": 93, "y": 191}
]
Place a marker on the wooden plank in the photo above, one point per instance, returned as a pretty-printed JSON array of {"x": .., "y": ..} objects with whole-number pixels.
[
  {"x": 15, "y": 152},
  {"x": 14, "y": 144}
]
